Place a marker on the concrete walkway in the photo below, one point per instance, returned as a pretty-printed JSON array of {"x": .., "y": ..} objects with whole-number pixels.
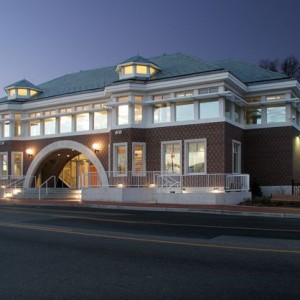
[{"x": 281, "y": 212}]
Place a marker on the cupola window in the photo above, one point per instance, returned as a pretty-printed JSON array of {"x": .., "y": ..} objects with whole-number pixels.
[{"x": 22, "y": 90}]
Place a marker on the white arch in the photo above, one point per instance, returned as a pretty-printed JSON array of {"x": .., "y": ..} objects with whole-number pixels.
[{"x": 66, "y": 144}]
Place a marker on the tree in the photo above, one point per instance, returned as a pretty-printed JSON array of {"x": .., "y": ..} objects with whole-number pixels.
[
  {"x": 269, "y": 64},
  {"x": 289, "y": 66}
]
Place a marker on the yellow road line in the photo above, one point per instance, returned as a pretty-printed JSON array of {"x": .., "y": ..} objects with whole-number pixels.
[{"x": 144, "y": 240}]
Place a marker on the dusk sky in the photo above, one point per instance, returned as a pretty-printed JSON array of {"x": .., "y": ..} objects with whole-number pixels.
[{"x": 45, "y": 39}]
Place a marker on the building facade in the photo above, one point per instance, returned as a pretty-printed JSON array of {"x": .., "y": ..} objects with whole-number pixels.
[{"x": 173, "y": 126}]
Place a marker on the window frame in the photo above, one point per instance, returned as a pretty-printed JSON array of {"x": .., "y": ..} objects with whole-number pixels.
[
  {"x": 115, "y": 160},
  {"x": 12, "y": 160},
  {"x": 1, "y": 164},
  {"x": 239, "y": 166},
  {"x": 162, "y": 157},
  {"x": 143, "y": 172},
  {"x": 186, "y": 153}
]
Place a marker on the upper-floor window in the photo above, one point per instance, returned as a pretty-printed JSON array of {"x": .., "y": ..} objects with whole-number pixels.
[
  {"x": 253, "y": 116},
  {"x": 123, "y": 111},
  {"x": 50, "y": 126},
  {"x": 275, "y": 97},
  {"x": 276, "y": 114},
  {"x": 49, "y": 113},
  {"x": 184, "y": 111},
  {"x": 65, "y": 124},
  {"x": 100, "y": 119},
  {"x": 161, "y": 113},
  {"x": 209, "y": 109},
  {"x": 35, "y": 128},
  {"x": 161, "y": 97},
  {"x": 82, "y": 108},
  {"x": 184, "y": 94},
  {"x": 82, "y": 122},
  {"x": 65, "y": 110},
  {"x": 208, "y": 90}
]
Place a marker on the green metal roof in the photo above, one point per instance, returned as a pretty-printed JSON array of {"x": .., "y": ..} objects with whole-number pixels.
[
  {"x": 171, "y": 66},
  {"x": 23, "y": 84},
  {"x": 249, "y": 73}
]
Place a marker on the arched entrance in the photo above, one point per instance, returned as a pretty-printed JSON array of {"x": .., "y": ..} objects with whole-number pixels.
[{"x": 53, "y": 157}]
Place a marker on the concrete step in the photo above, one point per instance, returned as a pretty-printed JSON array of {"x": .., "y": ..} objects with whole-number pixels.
[{"x": 52, "y": 193}]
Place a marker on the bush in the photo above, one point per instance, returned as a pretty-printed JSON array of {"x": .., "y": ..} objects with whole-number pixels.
[
  {"x": 255, "y": 189},
  {"x": 257, "y": 201}
]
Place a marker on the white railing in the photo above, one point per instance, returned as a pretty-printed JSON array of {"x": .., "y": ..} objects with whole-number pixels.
[
  {"x": 226, "y": 182},
  {"x": 45, "y": 183},
  {"x": 13, "y": 185}
]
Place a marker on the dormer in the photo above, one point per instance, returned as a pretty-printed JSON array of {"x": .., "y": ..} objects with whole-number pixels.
[
  {"x": 137, "y": 67},
  {"x": 22, "y": 89}
]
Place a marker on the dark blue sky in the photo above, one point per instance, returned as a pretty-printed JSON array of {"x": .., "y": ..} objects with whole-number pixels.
[{"x": 44, "y": 39}]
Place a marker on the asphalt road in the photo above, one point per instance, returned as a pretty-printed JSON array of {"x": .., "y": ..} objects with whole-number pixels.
[{"x": 49, "y": 253}]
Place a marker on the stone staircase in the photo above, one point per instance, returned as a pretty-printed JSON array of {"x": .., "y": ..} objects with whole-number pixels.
[{"x": 52, "y": 193}]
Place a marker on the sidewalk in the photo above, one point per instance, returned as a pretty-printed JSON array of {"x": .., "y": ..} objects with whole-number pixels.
[{"x": 280, "y": 212}]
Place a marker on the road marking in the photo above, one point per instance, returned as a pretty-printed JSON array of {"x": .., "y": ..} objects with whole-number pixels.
[
  {"x": 158, "y": 223},
  {"x": 115, "y": 237}
]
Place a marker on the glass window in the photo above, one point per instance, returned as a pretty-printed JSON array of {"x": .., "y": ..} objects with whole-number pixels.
[
  {"x": 65, "y": 124},
  {"x": 138, "y": 98},
  {"x": 184, "y": 111},
  {"x": 65, "y": 110},
  {"x": 172, "y": 158},
  {"x": 82, "y": 108},
  {"x": 209, "y": 109},
  {"x": 138, "y": 114},
  {"x": 161, "y": 97},
  {"x": 228, "y": 109},
  {"x": 237, "y": 114},
  {"x": 253, "y": 116},
  {"x": 82, "y": 122},
  {"x": 32, "y": 92},
  {"x": 138, "y": 158},
  {"x": 50, "y": 126},
  {"x": 208, "y": 90},
  {"x": 18, "y": 125},
  {"x": 276, "y": 114},
  {"x": 12, "y": 92},
  {"x": 100, "y": 119},
  {"x": 3, "y": 164},
  {"x": 152, "y": 71},
  {"x": 184, "y": 94},
  {"x": 22, "y": 92},
  {"x": 120, "y": 159},
  {"x": 275, "y": 97},
  {"x": 236, "y": 157},
  {"x": 128, "y": 70},
  {"x": 161, "y": 113},
  {"x": 142, "y": 69},
  {"x": 35, "y": 128},
  {"x": 123, "y": 114},
  {"x": 195, "y": 156},
  {"x": 17, "y": 163},
  {"x": 49, "y": 112}
]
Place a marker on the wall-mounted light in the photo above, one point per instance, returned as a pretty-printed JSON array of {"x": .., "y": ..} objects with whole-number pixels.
[
  {"x": 96, "y": 147},
  {"x": 29, "y": 152}
]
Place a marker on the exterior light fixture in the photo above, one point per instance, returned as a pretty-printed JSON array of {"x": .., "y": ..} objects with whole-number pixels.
[
  {"x": 96, "y": 147},
  {"x": 29, "y": 152}
]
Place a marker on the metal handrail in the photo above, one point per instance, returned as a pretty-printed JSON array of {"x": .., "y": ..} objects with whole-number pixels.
[{"x": 46, "y": 183}]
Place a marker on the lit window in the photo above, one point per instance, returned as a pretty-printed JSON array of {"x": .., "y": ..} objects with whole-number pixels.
[
  {"x": 138, "y": 114},
  {"x": 65, "y": 124},
  {"x": 138, "y": 158},
  {"x": 18, "y": 125},
  {"x": 171, "y": 160},
  {"x": 184, "y": 111},
  {"x": 208, "y": 90},
  {"x": 17, "y": 163},
  {"x": 142, "y": 69},
  {"x": 237, "y": 114},
  {"x": 82, "y": 108},
  {"x": 209, "y": 109},
  {"x": 65, "y": 110},
  {"x": 228, "y": 111},
  {"x": 35, "y": 128},
  {"x": 50, "y": 126},
  {"x": 82, "y": 122},
  {"x": 3, "y": 164},
  {"x": 275, "y": 97},
  {"x": 161, "y": 113},
  {"x": 276, "y": 114},
  {"x": 50, "y": 113},
  {"x": 6, "y": 126},
  {"x": 128, "y": 70},
  {"x": 152, "y": 71},
  {"x": 99, "y": 105},
  {"x": 34, "y": 115},
  {"x": 161, "y": 97},
  {"x": 12, "y": 92},
  {"x": 195, "y": 156},
  {"x": 120, "y": 159},
  {"x": 22, "y": 92},
  {"x": 32, "y": 92},
  {"x": 100, "y": 119},
  {"x": 138, "y": 98}
]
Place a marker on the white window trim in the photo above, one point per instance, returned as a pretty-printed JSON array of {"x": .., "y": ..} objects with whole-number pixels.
[
  {"x": 13, "y": 161},
  {"x": 143, "y": 173},
  {"x": 162, "y": 162},
  {"x": 186, "y": 142},
  {"x": 1, "y": 175},
  {"x": 239, "y": 158},
  {"x": 115, "y": 171}
]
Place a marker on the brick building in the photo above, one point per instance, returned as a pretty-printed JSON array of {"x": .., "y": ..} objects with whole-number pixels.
[{"x": 169, "y": 128}]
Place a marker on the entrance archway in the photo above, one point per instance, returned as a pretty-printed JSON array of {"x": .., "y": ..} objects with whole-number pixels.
[{"x": 61, "y": 145}]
